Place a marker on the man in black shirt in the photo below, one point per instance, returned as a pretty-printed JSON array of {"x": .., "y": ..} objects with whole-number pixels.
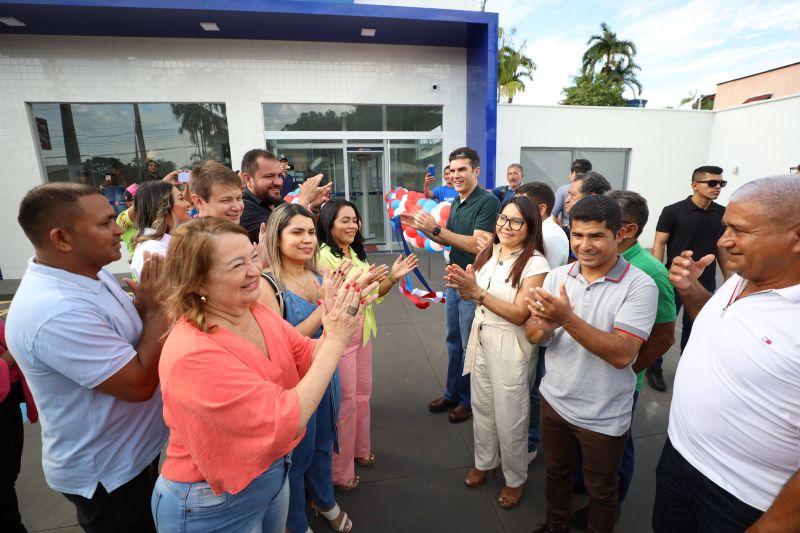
[
  {"x": 691, "y": 224},
  {"x": 261, "y": 173}
]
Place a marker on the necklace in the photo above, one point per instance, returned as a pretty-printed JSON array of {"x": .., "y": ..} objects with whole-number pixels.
[{"x": 303, "y": 286}]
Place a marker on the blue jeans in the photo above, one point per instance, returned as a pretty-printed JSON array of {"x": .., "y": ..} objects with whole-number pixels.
[
  {"x": 534, "y": 434},
  {"x": 625, "y": 472},
  {"x": 687, "y": 501},
  {"x": 458, "y": 321},
  {"x": 192, "y": 507},
  {"x": 313, "y": 458}
]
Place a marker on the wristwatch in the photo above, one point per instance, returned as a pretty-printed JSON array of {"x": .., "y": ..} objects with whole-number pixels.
[{"x": 436, "y": 231}]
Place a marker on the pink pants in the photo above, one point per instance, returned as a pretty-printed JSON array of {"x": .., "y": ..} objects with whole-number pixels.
[{"x": 355, "y": 375}]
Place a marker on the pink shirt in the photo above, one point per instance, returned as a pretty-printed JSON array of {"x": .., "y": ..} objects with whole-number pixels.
[{"x": 230, "y": 410}]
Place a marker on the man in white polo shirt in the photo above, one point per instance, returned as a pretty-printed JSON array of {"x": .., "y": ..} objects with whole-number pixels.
[
  {"x": 594, "y": 315},
  {"x": 90, "y": 355},
  {"x": 733, "y": 450}
]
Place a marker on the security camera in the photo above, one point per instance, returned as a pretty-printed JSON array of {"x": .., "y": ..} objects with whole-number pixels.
[{"x": 435, "y": 87}]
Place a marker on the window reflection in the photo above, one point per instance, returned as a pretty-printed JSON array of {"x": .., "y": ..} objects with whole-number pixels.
[
  {"x": 344, "y": 117},
  {"x": 409, "y": 159},
  {"x": 119, "y": 139}
]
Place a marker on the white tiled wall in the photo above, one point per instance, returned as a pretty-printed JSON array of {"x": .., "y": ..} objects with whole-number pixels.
[{"x": 240, "y": 73}]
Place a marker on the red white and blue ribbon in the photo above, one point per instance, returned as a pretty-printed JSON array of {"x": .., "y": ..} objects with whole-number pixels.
[{"x": 420, "y": 298}]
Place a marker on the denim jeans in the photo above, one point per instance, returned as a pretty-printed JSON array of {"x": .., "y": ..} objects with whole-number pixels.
[
  {"x": 312, "y": 458},
  {"x": 534, "y": 434},
  {"x": 687, "y": 501},
  {"x": 458, "y": 315},
  {"x": 260, "y": 507}
]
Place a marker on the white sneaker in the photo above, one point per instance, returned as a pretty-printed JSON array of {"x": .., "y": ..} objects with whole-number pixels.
[{"x": 532, "y": 455}]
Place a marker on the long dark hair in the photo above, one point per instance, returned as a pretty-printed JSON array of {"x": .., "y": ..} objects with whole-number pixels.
[
  {"x": 327, "y": 216},
  {"x": 533, "y": 243},
  {"x": 153, "y": 204}
]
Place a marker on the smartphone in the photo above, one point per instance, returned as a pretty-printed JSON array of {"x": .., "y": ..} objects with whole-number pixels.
[
  {"x": 108, "y": 177},
  {"x": 432, "y": 170},
  {"x": 183, "y": 176}
]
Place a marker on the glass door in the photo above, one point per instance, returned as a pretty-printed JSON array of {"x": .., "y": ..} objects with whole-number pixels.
[{"x": 365, "y": 169}]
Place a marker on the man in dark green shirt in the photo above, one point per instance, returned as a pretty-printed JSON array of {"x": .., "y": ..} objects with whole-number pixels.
[{"x": 472, "y": 216}]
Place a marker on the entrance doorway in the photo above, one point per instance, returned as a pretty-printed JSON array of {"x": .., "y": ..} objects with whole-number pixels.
[{"x": 365, "y": 167}]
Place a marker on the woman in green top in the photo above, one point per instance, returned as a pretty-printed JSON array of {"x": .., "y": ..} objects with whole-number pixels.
[{"x": 339, "y": 233}]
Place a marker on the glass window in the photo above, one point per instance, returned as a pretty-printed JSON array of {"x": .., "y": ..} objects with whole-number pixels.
[
  {"x": 97, "y": 138},
  {"x": 409, "y": 161},
  {"x": 309, "y": 158},
  {"x": 346, "y": 117},
  {"x": 413, "y": 118}
]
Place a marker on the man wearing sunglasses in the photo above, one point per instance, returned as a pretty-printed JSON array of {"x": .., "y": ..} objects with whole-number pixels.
[{"x": 691, "y": 224}]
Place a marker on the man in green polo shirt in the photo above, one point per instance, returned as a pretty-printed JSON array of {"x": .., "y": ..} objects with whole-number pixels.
[{"x": 472, "y": 216}]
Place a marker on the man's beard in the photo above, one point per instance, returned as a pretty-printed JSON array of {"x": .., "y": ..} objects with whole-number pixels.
[{"x": 272, "y": 201}]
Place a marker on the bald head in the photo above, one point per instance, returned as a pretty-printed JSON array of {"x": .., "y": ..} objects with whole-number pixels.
[{"x": 777, "y": 197}]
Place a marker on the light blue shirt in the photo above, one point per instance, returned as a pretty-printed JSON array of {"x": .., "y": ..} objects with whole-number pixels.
[
  {"x": 70, "y": 333},
  {"x": 443, "y": 193},
  {"x": 559, "y": 209}
]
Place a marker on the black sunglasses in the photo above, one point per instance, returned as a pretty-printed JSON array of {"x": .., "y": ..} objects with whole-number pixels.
[{"x": 714, "y": 183}]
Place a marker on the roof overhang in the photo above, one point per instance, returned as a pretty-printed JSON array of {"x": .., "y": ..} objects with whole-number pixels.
[{"x": 296, "y": 20}]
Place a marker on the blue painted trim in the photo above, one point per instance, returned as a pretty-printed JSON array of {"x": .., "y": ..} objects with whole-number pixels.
[{"x": 482, "y": 97}]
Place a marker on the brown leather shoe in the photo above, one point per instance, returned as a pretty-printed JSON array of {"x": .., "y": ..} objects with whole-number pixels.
[
  {"x": 440, "y": 405},
  {"x": 460, "y": 414}
]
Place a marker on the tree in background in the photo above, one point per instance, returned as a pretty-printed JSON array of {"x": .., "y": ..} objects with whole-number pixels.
[
  {"x": 595, "y": 90},
  {"x": 512, "y": 66},
  {"x": 607, "y": 69},
  {"x": 705, "y": 101}
]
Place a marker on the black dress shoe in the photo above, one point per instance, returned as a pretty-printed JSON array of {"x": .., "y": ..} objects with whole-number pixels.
[
  {"x": 655, "y": 378},
  {"x": 440, "y": 405},
  {"x": 460, "y": 414}
]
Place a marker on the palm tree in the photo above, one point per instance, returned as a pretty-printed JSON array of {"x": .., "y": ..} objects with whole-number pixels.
[
  {"x": 615, "y": 55},
  {"x": 512, "y": 67},
  {"x": 206, "y": 125}
]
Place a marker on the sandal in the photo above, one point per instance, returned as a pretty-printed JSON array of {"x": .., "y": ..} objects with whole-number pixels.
[
  {"x": 350, "y": 486},
  {"x": 337, "y": 518},
  {"x": 510, "y": 496},
  {"x": 369, "y": 461},
  {"x": 475, "y": 478}
]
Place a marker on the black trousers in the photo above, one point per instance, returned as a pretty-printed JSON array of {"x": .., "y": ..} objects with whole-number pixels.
[
  {"x": 687, "y": 501},
  {"x": 10, "y": 459},
  {"x": 124, "y": 510}
]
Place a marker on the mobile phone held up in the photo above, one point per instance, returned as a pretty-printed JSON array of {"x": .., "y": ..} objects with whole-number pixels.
[
  {"x": 432, "y": 170},
  {"x": 183, "y": 176}
]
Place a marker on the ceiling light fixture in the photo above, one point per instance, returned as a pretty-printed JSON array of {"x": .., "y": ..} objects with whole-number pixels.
[
  {"x": 11, "y": 21},
  {"x": 368, "y": 32},
  {"x": 209, "y": 26}
]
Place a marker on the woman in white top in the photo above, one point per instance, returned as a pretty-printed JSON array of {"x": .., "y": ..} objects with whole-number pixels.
[
  {"x": 498, "y": 355},
  {"x": 159, "y": 207}
]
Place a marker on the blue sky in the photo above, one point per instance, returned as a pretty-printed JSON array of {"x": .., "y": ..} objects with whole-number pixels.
[{"x": 683, "y": 45}]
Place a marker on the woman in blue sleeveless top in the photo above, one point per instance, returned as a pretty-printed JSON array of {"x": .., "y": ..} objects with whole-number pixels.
[{"x": 291, "y": 287}]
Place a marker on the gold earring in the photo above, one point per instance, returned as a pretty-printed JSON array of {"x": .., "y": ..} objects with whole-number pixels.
[{"x": 203, "y": 299}]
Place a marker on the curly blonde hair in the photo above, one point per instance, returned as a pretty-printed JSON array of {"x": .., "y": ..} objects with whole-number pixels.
[{"x": 189, "y": 258}]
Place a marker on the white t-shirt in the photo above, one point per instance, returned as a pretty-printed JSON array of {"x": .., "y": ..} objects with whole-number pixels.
[
  {"x": 154, "y": 246},
  {"x": 556, "y": 243},
  {"x": 735, "y": 412}
]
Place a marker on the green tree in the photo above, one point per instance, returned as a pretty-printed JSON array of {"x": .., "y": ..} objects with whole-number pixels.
[
  {"x": 512, "y": 66},
  {"x": 595, "y": 90},
  {"x": 615, "y": 58},
  {"x": 207, "y": 127},
  {"x": 698, "y": 102}
]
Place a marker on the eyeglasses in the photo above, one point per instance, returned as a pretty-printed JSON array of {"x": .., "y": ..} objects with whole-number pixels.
[
  {"x": 514, "y": 223},
  {"x": 714, "y": 183}
]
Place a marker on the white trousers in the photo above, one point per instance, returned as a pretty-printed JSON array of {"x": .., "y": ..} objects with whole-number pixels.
[{"x": 501, "y": 401}]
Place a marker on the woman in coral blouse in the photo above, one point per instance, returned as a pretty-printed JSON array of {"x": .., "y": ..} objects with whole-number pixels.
[{"x": 239, "y": 384}]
